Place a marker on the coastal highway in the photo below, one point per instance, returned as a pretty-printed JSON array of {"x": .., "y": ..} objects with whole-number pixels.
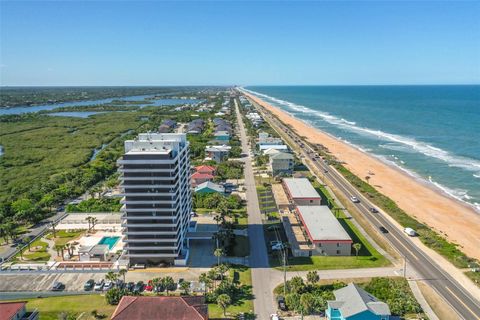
[{"x": 467, "y": 306}]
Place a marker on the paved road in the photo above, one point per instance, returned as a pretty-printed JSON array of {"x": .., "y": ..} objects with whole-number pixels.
[
  {"x": 33, "y": 232},
  {"x": 263, "y": 295},
  {"x": 467, "y": 306}
]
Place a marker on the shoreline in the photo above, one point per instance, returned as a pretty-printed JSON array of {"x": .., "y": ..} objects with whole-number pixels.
[{"x": 420, "y": 199}]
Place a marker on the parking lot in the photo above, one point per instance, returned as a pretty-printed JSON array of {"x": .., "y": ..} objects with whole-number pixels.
[{"x": 30, "y": 281}]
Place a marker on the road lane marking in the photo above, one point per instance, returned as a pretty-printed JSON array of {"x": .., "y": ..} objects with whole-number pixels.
[{"x": 460, "y": 300}]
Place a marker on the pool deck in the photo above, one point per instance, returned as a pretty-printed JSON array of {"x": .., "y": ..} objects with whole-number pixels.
[{"x": 93, "y": 239}]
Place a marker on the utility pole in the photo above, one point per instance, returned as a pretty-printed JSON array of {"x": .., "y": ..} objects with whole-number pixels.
[{"x": 284, "y": 272}]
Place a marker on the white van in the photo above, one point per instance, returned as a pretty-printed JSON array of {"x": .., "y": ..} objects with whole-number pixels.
[{"x": 410, "y": 232}]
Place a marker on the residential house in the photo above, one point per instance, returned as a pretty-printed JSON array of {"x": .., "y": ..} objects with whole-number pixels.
[
  {"x": 223, "y": 136},
  {"x": 281, "y": 163},
  {"x": 198, "y": 178},
  {"x": 209, "y": 187},
  {"x": 353, "y": 302},
  {"x": 167, "y": 126},
  {"x": 161, "y": 308},
  {"x": 17, "y": 311},
  {"x": 217, "y": 153},
  {"x": 206, "y": 169},
  {"x": 196, "y": 126},
  {"x": 280, "y": 147}
]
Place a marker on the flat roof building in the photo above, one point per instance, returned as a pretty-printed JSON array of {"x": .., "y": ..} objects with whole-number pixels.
[
  {"x": 324, "y": 231},
  {"x": 155, "y": 180},
  {"x": 301, "y": 192}
]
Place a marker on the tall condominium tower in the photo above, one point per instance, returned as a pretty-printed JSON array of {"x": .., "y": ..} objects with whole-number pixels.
[{"x": 157, "y": 200}]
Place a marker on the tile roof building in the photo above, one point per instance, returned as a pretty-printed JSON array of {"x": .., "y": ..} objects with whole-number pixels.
[
  {"x": 161, "y": 308},
  {"x": 16, "y": 311}
]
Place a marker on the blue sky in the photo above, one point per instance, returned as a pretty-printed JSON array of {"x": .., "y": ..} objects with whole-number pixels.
[{"x": 246, "y": 43}]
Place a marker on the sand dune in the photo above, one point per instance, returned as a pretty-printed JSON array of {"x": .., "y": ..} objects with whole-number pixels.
[{"x": 459, "y": 222}]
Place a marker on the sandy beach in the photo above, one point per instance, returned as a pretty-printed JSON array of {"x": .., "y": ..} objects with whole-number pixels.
[{"x": 457, "y": 221}]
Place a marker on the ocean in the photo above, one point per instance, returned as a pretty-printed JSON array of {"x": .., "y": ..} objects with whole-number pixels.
[{"x": 430, "y": 132}]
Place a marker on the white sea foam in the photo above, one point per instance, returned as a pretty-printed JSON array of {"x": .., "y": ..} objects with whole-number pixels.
[{"x": 412, "y": 144}]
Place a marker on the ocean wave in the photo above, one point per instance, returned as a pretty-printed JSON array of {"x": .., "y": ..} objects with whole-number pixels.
[
  {"x": 476, "y": 176},
  {"x": 414, "y": 145}
]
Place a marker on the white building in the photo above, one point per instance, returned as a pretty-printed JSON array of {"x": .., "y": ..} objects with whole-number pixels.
[
  {"x": 217, "y": 153},
  {"x": 155, "y": 180},
  {"x": 300, "y": 192}
]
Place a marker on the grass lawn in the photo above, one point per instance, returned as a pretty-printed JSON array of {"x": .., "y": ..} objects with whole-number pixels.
[
  {"x": 38, "y": 252},
  {"x": 242, "y": 305},
  {"x": 474, "y": 276},
  {"x": 64, "y": 236},
  {"x": 368, "y": 256},
  {"x": 50, "y": 308}
]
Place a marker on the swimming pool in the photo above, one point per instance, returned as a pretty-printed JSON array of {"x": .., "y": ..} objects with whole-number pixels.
[{"x": 110, "y": 241}]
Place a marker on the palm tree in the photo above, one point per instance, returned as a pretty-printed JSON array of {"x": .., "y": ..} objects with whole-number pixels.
[
  {"x": 58, "y": 248},
  {"x": 111, "y": 276},
  {"x": 185, "y": 286},
  {"x": 53, "y": 229},
  {"x": 313, "y": 277},
  {"x": 122, "y": 273},
  {"x": 168, "y": 283},
  {"x": 222, "y": 269},
  {"x": 218, "y": 253},
  {"x": 223, "y": 302},
  {"x": 67, "y": 247},
  {"x": 205, "y": 280},
  {"x": 94, "y": 222},
  {"x": 357, "y": 247},
  {"x": 89, "y": 220},
  {"x": 156, "y": 282},
  {"x": 367, "y": 178}
]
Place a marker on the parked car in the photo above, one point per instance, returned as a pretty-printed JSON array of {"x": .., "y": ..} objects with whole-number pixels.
[
  {"x": 382, "y": 229},
  {"x": 281, "y": 303},
  {"x": 278, "y": 246},
  {"x": 373, "y": 210},
  {"x": 57, "y": 286},
  {"x": 273, "y": 227},
  {"x": 410, "y": 232},
  {"x": 120, "y": 284},
  {"x": 130, "y": 286},
  {"x": 99, "y": 285},
  {"x": 274, "y": 316},
  {"x": 149, "y": 288},
  {"x": 108, "y": 285},
  {"x": 159, "y": 288},
  {"x": 354, "y": 199},
  {"x": 138, "y": 287},
  {"x": 89, "y": 285}
]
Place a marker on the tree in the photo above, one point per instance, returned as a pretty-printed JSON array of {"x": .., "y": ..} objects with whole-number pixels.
[
  {"x": 357, "y": 246},
  {"x": 111, "y": 276},
  {"x": 218, "y": 253},
  {"x": 53, "y": 229},
  {"x": 222, "y": 269},
  {"x": 89, "y": 220},
  {"x": 223, "y": 302},
  {"x": 313, "y": 277},
  {"x": 122, "y": 273},
  {"x": 203, "y": 278},
  {"x": 168, "y": 283},
  {"x": 59, "y": 248},
  {"x": 94, "y": 222},
  {"x": 296, "y": 284},
  {"x": 114, "y": 295},
  {"x": 156, "y": 282},
  {"x": 185, "y": 286},
  {"x": 306, "y": 305}
]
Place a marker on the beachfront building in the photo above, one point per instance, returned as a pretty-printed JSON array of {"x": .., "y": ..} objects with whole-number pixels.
[
  {"x": 157, "y": 199},
  {"x": 264, "y": 138},
  {"x": 325, "y": 234},
  {"x": 352, "y": 303},
  {"x": 281, "y": 163},
  {"x": 217, "y": 153},
  {"x": 300, "y": 192}
]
